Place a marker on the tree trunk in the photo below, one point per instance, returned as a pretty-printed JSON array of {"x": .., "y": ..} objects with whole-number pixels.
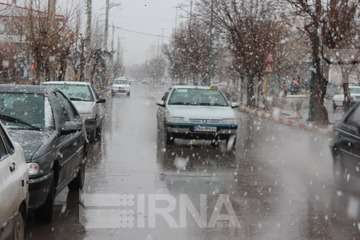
[
  {"x": 250, "y": 93},
  {"x": 317, "y": 111}
]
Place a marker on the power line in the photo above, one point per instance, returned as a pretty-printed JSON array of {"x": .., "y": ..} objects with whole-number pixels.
[{"x": 141, "y": 33}]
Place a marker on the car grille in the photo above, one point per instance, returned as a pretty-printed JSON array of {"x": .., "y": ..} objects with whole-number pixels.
[{"x": 204, "y": 121}]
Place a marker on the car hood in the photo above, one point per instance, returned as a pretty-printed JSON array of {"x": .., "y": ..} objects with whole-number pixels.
[
  {"x": 201, "y": 112},
  {"x": 84, "y": 107},
  {"x": 121, "y": 85},
  {"x": 30, "y": 141}
]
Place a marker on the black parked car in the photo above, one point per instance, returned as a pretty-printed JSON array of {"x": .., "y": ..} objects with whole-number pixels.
[
  {"x": 346, "y": 150},
  {"x": 52, "y": 135}
]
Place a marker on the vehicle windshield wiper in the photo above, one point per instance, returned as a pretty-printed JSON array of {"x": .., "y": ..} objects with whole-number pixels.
[
  {"x": 77, "y": 99},
  {"x": 19, "y": 121},
  {"x": 179, "y": 103}
]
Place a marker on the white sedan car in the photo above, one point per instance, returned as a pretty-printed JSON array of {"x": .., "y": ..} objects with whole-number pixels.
[
  {"x": 192, "y": 112},
  {"x": 338, "y": 99},
  {"x": 121, "y": 85},
  {"x": 13, "y": 189}
]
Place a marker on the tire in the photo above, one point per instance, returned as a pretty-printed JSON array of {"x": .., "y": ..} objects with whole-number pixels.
[
  {"x": 128, "y": 94},
  {"x": 78, "y": 182},
  {"x": 233, "y": 145},
  {"x": 19, "y": 227},
  {"x": 45, "y": 212},
  {"x": 99, "y": 133},
  {"x": 92, "y": 136}
]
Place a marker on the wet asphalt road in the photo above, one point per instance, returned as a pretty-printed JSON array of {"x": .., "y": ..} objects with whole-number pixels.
[{"x": 278, "y": 183}]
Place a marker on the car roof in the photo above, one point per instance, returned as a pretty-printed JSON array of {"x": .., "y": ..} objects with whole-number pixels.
[
  {"x": 66, "y": 82},
  {"x": 36, "y": 89},
  {"x": 192, "y": 87}
]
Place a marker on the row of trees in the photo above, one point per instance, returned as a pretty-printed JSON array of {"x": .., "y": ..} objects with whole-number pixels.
[
  {"x": 56, "y": 48},
  {"x": 245, "y": 40}
]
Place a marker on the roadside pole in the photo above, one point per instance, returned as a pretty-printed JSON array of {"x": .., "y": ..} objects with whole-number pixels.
[{"x": 87, "y": 43}]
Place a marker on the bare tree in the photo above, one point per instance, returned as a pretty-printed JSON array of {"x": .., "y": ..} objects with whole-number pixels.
[
  {"x": 47, "y": 43},
  {"x": 251, "y": 33},
  {"x": 188, "y": 53},
  {"x": 328, "y": 24}
]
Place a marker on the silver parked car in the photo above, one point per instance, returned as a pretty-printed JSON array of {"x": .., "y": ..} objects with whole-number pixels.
[{"x": 87, "y": 102}]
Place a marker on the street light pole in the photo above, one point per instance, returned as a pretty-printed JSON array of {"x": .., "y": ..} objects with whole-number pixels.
[
  {"x": 88, "y": 24},
  {"x": 211, "y": 41},
  {"x": 106, "y": 34}
]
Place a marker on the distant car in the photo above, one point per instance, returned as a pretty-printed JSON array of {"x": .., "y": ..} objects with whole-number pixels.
[
  {"x": 87, "y": 102},
  {"x": 192, "y": 112},
  {"x": 346, "y": 150},
  {"x": 121, "y": 85},
  {"x": 13, "y": 189},
  {"x": 49, "y": 128},
  {"x": 338, "y": 99}
]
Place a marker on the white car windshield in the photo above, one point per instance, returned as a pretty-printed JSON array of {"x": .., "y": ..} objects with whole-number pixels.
[
  {"x": 354, "y": 90},
  {"x": 197, "y": 97},
  {"x": 75, "y": 92},
  {"x": 121, "y": 82}
]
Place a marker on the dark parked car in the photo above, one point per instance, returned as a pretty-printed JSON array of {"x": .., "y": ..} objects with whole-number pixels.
[
  {"x": 51, "y": 132},
  {"x": 346, "y": 150}
]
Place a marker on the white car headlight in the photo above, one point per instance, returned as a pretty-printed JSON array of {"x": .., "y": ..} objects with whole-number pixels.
[
  {"x": 229, "y": 121},
  {"x": 33, "y": 169}
]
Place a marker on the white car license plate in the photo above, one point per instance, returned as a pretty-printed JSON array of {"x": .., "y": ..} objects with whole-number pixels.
[{"x": 205, "y": 129}]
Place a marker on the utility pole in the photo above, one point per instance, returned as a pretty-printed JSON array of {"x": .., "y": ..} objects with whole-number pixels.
[
  {"x": 52, "y": 12},
  {"x": 50, "y": 74},
  {"x": 191, "y": 13},
  {"x": 113, "y": 38},
  {"x": 106, "y": 34},
  {"x": 86, "y": 46},
  {"x": 211, "y": 40},
  {"x": 88, "y": 24}
]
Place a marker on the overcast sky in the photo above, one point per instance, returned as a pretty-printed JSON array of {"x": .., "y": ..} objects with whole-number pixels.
[{"x": 149, "y": 16}]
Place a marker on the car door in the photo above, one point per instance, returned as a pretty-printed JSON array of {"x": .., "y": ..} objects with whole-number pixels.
[
  {"x": 9, "y": 184},
  {"x": 99, "y": 108},
  {"x": 162, "y": 110},
  {"x": 70, "y": 145},
  {"x": 348, "y": 142}
]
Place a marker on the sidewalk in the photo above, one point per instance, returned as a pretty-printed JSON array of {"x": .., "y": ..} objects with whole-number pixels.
[{"x": 293, "y": 113}]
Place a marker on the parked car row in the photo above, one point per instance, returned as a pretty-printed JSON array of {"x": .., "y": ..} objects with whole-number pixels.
[{"x": 44, "y": 142}]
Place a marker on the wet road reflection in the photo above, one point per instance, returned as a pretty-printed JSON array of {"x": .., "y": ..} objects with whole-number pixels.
[{"x": 278, "y": 184}]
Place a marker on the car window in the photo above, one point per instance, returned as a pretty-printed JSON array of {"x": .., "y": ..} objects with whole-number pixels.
[
  {"x": 3, "y": 151},
  {"x": 164, "y": 98},
  {"x": 200, "y": 97},
  {"x": 95, "y": 92},
  {"x": 64, "y": 107},
  {"x": 26, "y": 107},
  {"x": 5, "y": 142},
  {"x": 354, "y": 90},
  {"x": 121, "y": 82}
]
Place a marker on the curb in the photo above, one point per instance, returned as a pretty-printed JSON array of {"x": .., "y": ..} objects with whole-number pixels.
[{"x": 286, "y": 121}]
